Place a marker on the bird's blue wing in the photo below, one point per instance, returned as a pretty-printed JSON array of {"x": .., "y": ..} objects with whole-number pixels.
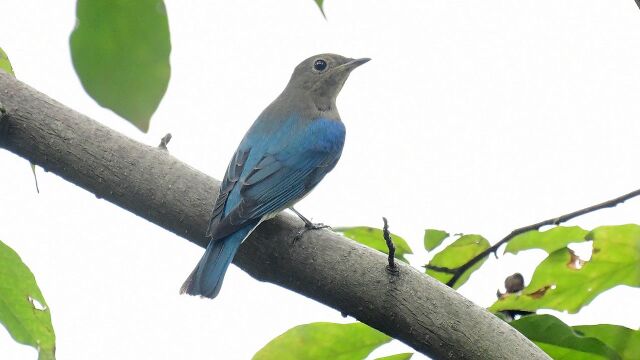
[
  {"x": 270, "y": 176},
  {"x": 234, "y": 171}
]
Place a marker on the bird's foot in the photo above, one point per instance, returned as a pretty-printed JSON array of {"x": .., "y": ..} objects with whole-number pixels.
[{"x": 308, "y": 227}]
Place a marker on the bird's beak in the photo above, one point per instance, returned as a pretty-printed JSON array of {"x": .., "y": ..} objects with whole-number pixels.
[{"x": 353, "y": 63}]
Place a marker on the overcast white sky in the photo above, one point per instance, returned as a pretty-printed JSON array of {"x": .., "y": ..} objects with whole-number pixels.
[{"x": 473, "y": 116}]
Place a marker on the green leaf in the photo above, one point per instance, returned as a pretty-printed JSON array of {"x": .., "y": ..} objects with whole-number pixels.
[
  {"x": 457, "y": 254},
  {"x": 120, "y": 50},
  {"x": 433, "y": 238},
  {"x": 564, "y": 282},
  {"x": 403, "y": 356},
  {"x": 549, "y": 241},
  {"x": 23, "y": 310},
  {"x": 5, "y": 64},
  {"x": 619, "y": 338},
  {"x": 559, "y": 341},
  {"x": 374, "y": 238},
  {"x": 320, "y": 341},
  {"x": 320, "y": 4}
]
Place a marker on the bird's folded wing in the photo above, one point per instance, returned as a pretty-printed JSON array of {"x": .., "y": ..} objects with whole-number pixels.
[
  {"x": 273, "y": 184},
  {"x": 234, "y": 171}
]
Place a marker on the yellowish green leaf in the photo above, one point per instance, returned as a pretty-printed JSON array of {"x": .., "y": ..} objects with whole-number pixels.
[
  {"x": 403, "y": 356},
  {"x": 549, "y": 241},
  {"x": 320, "y": 4},
  {"x": 433, "y": 238},
  {"x": 457, "y": 254},
  {"x": 23, "y": 310},
  {"x": 321, "y": 341},
  {"x": 625, "y": 341},
  {"x": 5, "y": 64},
  {"x": 374, "y": 238},
  {"x": 560, "y": 341}
]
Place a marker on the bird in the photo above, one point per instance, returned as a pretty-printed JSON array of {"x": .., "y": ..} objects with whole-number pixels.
[{"x": 287, "y": 151}]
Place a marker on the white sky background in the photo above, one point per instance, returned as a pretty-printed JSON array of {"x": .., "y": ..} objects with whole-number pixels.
[{"x": 474, "y": 116}]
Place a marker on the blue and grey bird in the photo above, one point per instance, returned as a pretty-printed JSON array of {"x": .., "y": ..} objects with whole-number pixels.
[{"x": 292, "y": 145}]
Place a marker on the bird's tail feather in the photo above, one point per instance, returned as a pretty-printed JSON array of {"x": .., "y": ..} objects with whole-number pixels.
[{"x": 206, "y": 279}]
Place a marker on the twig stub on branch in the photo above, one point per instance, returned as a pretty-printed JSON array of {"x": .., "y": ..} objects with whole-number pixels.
[
  {"x": 392, "y": 248},
  {"x": 165, "y": 141}
]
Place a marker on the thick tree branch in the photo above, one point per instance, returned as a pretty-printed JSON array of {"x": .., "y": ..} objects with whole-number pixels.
[
  {"x": 460, "y": 270},
  {"x": 324, "y": 266}
]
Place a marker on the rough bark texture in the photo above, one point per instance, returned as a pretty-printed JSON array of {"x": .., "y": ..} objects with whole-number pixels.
[{"x": 324, "y": 266}]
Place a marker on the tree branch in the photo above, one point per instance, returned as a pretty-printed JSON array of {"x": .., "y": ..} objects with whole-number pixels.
[
  {"x": 459, "y": 271},
  {"x": 324, "y": 266}
]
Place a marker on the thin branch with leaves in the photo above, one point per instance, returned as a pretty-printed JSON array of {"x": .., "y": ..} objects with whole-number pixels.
[{"x": 459, "y": 271}]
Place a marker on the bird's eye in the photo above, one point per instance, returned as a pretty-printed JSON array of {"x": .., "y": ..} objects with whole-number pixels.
[{"x": 319, "y": 65}]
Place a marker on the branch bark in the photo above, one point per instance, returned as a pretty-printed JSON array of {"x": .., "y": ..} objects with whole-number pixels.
[{"x": 324, "y": 266}]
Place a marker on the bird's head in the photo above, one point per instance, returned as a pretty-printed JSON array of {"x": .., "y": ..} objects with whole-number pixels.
[{"x": 321, "y": 77}]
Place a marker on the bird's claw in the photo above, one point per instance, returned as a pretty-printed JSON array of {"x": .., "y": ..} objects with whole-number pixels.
[{"x": 308, "y": 227}]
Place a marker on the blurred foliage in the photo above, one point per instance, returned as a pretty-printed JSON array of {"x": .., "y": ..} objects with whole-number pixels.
[
  {"x": 374, "y": 238},
  {"x": 320, "y": 4},
  {"x": 433, "y": 238},
  {"x": 23, "y": 310},
  {"x": 120, "y": 50},
  {"x": 320, "y": 341},
  {"x": 5, "y": 64},
  {"x": 560, "y": 341},
  {"x": 457, "y": 254},
  {"x": 565, "y": 282}
]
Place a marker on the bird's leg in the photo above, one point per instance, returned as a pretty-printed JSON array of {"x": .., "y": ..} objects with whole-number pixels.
[
  {"x": 307, "y": 222},
  {"x": 308, "y": 225}
]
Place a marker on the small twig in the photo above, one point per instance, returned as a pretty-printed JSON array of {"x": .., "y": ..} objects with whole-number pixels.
[
  {"x": 392, "y": 248},
  {"x": 35, "y": 177},
  {"x": 165, "y": 141},
  {"x": 440, "y": 269},
  {"x": 459, "y": 271}
]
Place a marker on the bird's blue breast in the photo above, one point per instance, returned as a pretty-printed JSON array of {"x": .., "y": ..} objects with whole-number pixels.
[{"x": 326, "y": 135}]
